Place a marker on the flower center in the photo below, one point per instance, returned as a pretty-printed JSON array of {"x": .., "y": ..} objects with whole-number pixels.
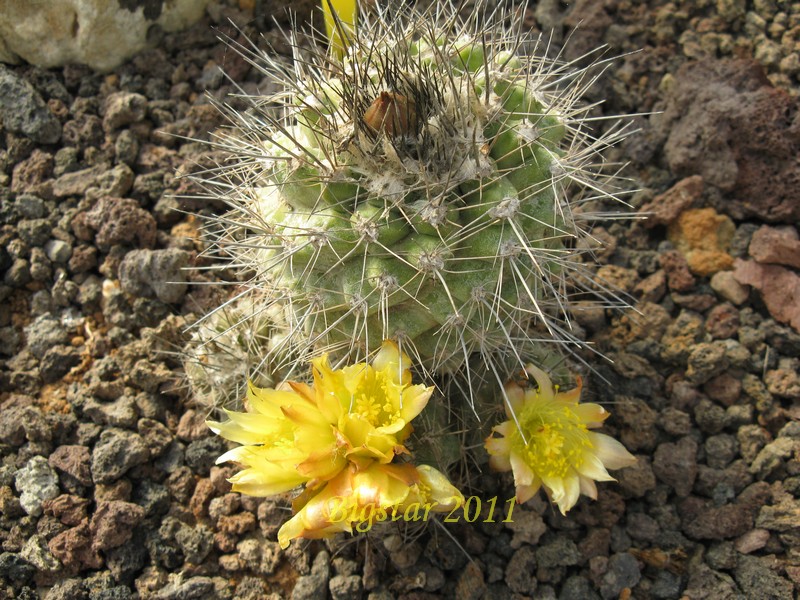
[
  {"x": 557, "y": 439},
  {"x": 371, "y": 401}
]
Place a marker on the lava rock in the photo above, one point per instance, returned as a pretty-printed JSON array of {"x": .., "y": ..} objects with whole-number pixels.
[
  {"x": 159, "y": 273},
  {"x": 116, "y": 452},
  {"x": 22, "y": 109},
  {"x": 36, "y": 482}
]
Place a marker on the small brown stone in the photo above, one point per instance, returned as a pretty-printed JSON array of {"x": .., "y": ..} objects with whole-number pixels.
[
  {"x": 113, "y": 523},
  {"x": 192, "y": 426},
  {"x": 74, "y": 461},
  {"x": 679, "y": 279},
  {"x": 779, "y": 287},
  {"x": 67, "y": 508},
  {"x": 666, "y": 207},
  {"x": 776, "y": 245}
]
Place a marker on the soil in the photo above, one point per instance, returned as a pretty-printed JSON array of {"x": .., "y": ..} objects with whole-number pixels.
[{"x": 108, "y": 487}]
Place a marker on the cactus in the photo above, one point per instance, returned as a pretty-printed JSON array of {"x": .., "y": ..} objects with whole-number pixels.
[
  {"x": 418, "y": 189},
  {"x": 231, "y": 346}
]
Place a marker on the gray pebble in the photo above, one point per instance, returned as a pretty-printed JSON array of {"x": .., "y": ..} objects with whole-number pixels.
[
  {"x": 18, "y": 274},
  {"x": 58, "y": 251},
  {"x": 158, "y": 273},
  {"x": 759, "y": 582},
  {"x": 34, "y": 232},
  {"x": 561, "y": 552},
  {"x": 127, "y": 560},
  {"x": 773, "y": 456},
  {"x": 521, "y": 571},
  {"x": 314, "y": 586},
  {"x": 667, "y": 585},
  {"x": 623, "y": 572},
  {"x": 195, "y": 542},
  {"x": 15, "y": 568},
  {"x": 202, "y": 454},
  {"x": 36, "y": 552},
  {"x": 707, "y": 360},
  {"x": 36, "y": 482},
  {"x": 23, "y": 110},
  {"x": 30, "y": 206},
  {"x": 126, "y": 147},
  {"x": 41, "y": 269},
  {"x": 345, "y": 587},
  {"x": 710, "y": 417},
  {"x": 58, "y": 361},
  {"x": 121, "y": 412},
  {"x": 67, "y": 589},
  {"x": 578, "y": 588},
  {"x": 44, "y": 333},
  {"x": 115, "y": 453},
  {"x": 720, "y": 450},
  {"x": 66, "y": 161},
  {"x": 194, "y": 588},
  {"x": 676, "y": 464}
]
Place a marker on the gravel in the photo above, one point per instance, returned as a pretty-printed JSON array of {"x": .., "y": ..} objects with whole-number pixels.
[{"x": 108, "y": 483}]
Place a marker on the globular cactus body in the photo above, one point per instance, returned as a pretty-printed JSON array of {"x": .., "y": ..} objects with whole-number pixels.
[{"x": 414, "y": 190}]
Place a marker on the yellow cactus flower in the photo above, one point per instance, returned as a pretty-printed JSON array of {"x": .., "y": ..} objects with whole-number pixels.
[
  {"x": 547, "y": 443},
  {"x": 311, "y": 432},
  {"x": 361, "y": 498}
]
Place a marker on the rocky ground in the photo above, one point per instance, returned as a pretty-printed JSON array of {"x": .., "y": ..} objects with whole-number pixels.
[{"x": 107, "y": 484}]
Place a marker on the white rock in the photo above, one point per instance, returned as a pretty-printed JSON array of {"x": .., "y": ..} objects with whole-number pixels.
[
  {"x": 99, "y": 33},
  {"x": 36, "y": 482}
]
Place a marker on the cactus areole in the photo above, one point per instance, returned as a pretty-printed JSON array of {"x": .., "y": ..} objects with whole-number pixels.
[{"x": 413, "y": 190}]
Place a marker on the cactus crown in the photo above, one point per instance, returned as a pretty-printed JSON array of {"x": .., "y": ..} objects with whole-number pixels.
[{"x": 415, "y": 190}]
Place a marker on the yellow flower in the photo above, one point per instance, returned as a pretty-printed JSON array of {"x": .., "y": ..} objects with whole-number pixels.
[
  {"x": 547, "y": 443},
  {"x": 308, "y": 433},
  {"x": 362, "y": 498}
]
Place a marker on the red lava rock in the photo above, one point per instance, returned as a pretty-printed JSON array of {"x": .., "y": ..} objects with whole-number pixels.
[
  {"x": 637, "y": 479},
  {"x": 751, "y": 541},
  {"x": 679, "y": 278},
  {"x": 203, "y": 492},
  {"x": 652, "y": 287},
  {"x": 192, "y": 426},
  {"x": 727, "y": 123},
  {"x": 9, "y": 503},
  {"x": 115, "y": 221},
  {"x": 31, "y": 172},
  {"x": 724, "y": 388},
  {"x": 676, "y": 464},
  {"x": 722, "y": 321},
  {"x": 77, "y": 182},
  {"x": 73, "y": 548},
  {"x": 83, "y": 259},
  {"x": 776, "y": 245},
  {"x": 779, "y": 287},
  {"x": 67, "y": 508},
  {"x": 666, "y": 207},
  {"x": 702, "y": 520},
  {"x": 117, "y": 490},
  {"x": 236, "y": 524},
  {"x": 225, "y": 542},
  {"x": 113, "y": 522},
  {"x": 73, "y": 460}
]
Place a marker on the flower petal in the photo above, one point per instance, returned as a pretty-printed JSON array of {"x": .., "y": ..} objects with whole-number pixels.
[
  {"x": 543, "y": 380},
  {"x": 590, "y": 413},
  {"x": 611, "y": 452},
  {"x": 523, "y": 475}
]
